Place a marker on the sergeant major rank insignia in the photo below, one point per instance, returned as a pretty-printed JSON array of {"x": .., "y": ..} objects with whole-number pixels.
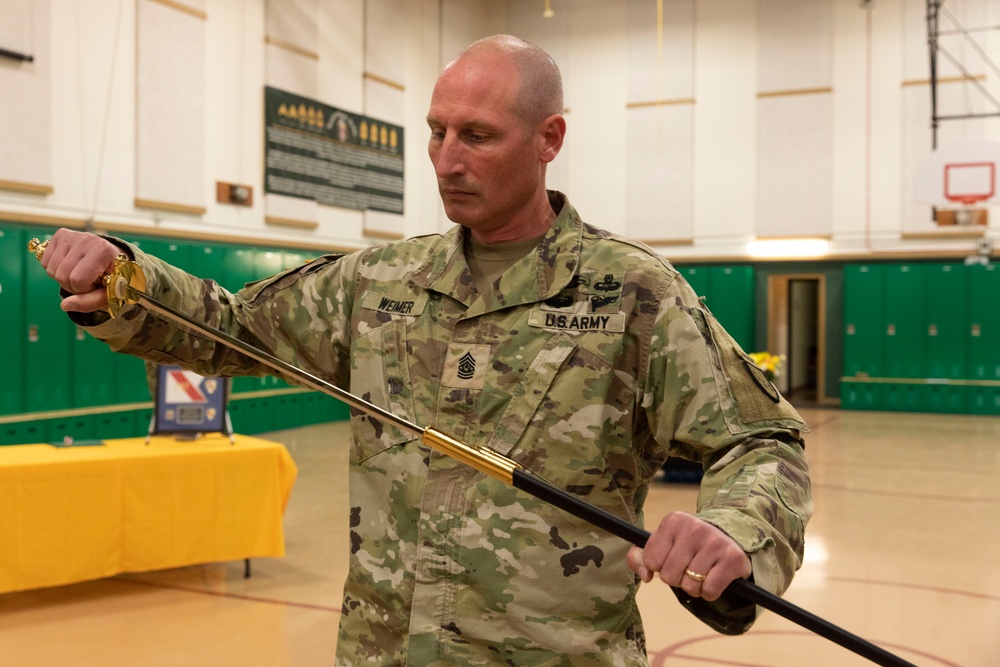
[{"x": 465, "y": 366}]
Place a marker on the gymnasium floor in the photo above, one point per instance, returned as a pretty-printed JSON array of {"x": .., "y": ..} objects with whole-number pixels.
[{"x": 903, "y": 550}]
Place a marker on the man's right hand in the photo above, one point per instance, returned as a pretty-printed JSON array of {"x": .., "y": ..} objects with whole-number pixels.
[{"x": 77, "y": 261}]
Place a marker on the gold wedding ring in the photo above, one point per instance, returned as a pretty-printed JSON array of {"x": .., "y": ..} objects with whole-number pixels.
[{"x": 695, "y": 575}]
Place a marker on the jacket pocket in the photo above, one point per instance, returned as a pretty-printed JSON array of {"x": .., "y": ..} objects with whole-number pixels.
[{"x": 380, "y": 375}]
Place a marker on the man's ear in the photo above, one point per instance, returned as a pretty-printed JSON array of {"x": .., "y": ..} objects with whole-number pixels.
[{"x": 552, "y": 130}]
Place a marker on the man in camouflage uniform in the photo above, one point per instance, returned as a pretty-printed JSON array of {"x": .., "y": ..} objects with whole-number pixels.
[{"x": 583, "y": 356}]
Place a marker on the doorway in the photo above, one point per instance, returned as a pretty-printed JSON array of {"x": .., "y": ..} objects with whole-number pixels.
[{"x": 796, "y": 328}]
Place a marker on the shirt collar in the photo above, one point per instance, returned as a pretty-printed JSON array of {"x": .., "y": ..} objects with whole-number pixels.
[{"x": 540, "y": 275}]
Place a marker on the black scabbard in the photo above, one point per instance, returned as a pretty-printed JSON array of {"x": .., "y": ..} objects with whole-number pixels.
[{"x": 534, "y": 485}]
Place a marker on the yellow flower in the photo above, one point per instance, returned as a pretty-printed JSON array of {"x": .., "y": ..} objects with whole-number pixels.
[{"x": 771, "y": 364}]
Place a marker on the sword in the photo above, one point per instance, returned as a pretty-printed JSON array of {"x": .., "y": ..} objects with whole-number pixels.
[{"x": 126, "y": 283}]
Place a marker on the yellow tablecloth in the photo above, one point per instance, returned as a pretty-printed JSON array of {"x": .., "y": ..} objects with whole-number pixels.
[{"x": 78, "y": 513}]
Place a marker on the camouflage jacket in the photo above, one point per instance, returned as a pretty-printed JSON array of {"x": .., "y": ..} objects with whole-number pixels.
[{"x": 589, "y": 362}]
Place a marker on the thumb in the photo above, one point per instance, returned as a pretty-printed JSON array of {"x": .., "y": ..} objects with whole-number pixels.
[
  {"x": 87, "y": 302},
  {"x": 635, "y": 562}
]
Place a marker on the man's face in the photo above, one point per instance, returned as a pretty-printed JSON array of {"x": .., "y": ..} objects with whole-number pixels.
[{"x": 485, "y": 157}]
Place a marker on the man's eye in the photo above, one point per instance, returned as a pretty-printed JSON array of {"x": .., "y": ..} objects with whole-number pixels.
[{"x": 475, "y": 137}]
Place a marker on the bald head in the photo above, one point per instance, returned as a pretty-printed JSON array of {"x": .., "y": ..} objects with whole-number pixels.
[{"x": 540, "y": 92}]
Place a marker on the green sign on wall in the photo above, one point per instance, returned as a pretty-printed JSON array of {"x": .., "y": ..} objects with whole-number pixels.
[{"x": 335, "y": 157}]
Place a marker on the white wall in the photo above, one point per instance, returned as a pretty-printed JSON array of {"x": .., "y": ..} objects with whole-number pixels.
[{"x": 877, "y": 127}]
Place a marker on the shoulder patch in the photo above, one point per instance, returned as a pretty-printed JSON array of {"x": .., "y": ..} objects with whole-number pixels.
[
  {"x": 760, "y": 378},
  {"x": 757, "y": 399}
]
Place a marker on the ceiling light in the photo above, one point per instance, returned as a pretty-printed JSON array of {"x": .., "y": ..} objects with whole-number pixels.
[
  {"x": 548, "y": 13},
  {"x": 788, "y": 248}
]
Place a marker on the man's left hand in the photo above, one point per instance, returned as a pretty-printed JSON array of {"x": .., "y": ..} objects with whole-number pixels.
[{"x": 690, "y": 554}]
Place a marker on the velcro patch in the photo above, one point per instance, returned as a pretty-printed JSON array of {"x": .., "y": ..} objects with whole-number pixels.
[
  {"x": 466, "y": 365},
  {"x": 394, "y": 305},
  {"x": 567, "y": 321}
]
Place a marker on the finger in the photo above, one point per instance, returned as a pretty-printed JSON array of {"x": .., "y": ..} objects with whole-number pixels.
[
  {"x": 88, "y": 302},
  {"x": 696, "y": 575},
  {"x": 724, "y": 573},
  {"x": 634, "y": 560},
  {"x": 660, "y": 544}
]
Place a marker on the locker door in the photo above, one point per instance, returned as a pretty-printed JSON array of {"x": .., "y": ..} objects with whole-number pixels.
[
  {"x": 698, "y": 277},
  {"x": 48, "y": 334},
  {"x": 205, "y": 261},
  {"x": 93, "y": 371},
  {"x": 947, "y": 335},
  {"x": 984, "y": 339},
  {"x": 13, "y": 255},
  {"x": 947, "y": 321},
  {"x": 905, "y": 321},
  {"x": 732, "y": 303},
  {"x": 291, "y": 260},
  {"x": 984, "y": 322},
  {"x": 864, "y": 308},
  {"x": 238, "y": 268}
]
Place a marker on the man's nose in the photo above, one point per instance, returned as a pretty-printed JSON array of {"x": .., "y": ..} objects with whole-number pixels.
[{"x": 448, "y": 157}]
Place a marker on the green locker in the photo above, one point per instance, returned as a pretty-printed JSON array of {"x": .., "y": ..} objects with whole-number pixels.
[
  {"x": 984, "y": 339},
  {"x": 983, "y": 400},
  {"x": 93, "y": 371},
  {"x": 906, "y": 321},
  {"x": 698, "y": 277},
  {"x": 130, "y": 379},
  {"x": 79, "y": 427},
  {"x": 945, "y": 398},
  {"x": 238, "y": 268},
  {"x": 947, "y": 321},
  {"x": 860, "y": 396},
  {"x": 732, "y": 302},
  {"x": 205, "y": 262},
  {"x": 292, "y": 259},
  {"x": 984, "y": 323},
  {"x": 728, "y": 292},
  {"x": 268, "y": 262},
  {"x": 864, "y": 327},
  {"x": 287, "y": 411},
  {"x": 13, "y": 255},
  {"x": 48, "y": 334},
  {"x": 21, "y": 433},
  {"x": 947, "y": 334},
  {"x": 115, "y": 425},
  {"x": 901, "y": 397}
]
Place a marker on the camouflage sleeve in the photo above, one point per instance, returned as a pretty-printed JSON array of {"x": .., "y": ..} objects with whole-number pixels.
[
  {"x": 301, "y": 316},
  {"x": 707, "y": 402}
]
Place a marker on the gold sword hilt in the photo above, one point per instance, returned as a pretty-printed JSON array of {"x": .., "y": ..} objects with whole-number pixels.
[{"x": 125, "y": 279}]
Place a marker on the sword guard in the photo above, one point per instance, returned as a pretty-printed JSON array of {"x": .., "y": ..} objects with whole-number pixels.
[{"x": 122, "y": 283}]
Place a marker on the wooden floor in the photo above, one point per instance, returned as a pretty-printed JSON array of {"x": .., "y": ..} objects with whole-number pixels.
[{"x": 904, "y": 550}]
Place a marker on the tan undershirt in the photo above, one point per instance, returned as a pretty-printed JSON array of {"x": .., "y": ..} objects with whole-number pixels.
[{"x": 488, "y": 261}]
